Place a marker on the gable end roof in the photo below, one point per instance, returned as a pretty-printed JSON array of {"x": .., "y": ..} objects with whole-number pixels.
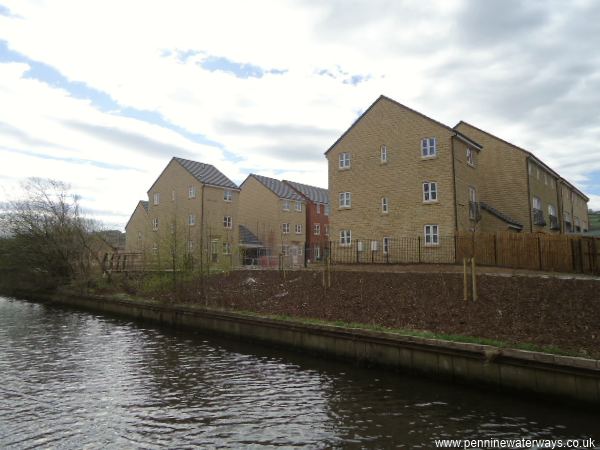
[
  {"x": 383, "y": 97},
  {"x": 313, "y": 193},
  {"x": 279, "y": 188},
  {"x": 143, "y": 204},
  {"x": 206, "y": 173}
]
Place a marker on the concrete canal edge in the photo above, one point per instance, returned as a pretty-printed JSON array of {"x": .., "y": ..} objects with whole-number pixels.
[{"x": 570, "y": 379}]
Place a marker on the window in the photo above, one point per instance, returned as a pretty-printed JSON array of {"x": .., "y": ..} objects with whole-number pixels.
[
  {"x": 192, "y": 192},
  {"x": 374, "y": 245},
  {"x": 286, "y": 205},
  {"x": 317, "y": 252},
  {"x": 156, "y": 198},
  {"x": 470, "y": 157},
  {"x": 551, "y": 210},
  {"x": 383, "y": 154},
  {"x": 227, "y": 222},
  {"x": 173, "y": 195},
  {"x": 285, "y": 228},
  {"x": 284, "y": 250},
  {"x": 318, "y": 208},
  {"x": 537, "y": 203},
  {"x": 345, "y": 199},
  {"x": 344, "y": 160},
  {"x": 386, "y": 245},
  {"x": 472, "y": 203},
  {"x": 430, "y": 191},
  {"x": 432, "y": 236},
  {"x": 345, "y": 237},
  {"x": 192, "y": 219},
  {"x": 326, "y": 209},
  {"x": 326, "y": 230},
  {"x": 155, "y": 248},
  {"x": 299, "y": 251},
  {"x": 190, "y": 246},
  {"x": 155, "y": 224},
  {"x": 139, "y": 235},
  {"x": 227, "y": 195},
  {"x": 299, "y": 206},
  {"x": 298, "y": 228},
  {"x": 173, "y": 227},
  {"x": 428, "y": 148},
  {"x": 226, "y": 248},
  {"x": 577, "y": 225},
  {"x": 317, "y": 229},
  {"x": 568, "y": 225},
  {"x": 384, "y": 205}
]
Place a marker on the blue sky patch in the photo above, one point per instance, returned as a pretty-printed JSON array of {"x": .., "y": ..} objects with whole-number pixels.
[
  {"x": 240, "y": 70},
  {"x": 99, "y": 99}
]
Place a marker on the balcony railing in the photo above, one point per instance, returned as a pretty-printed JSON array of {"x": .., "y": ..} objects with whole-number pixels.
[
  {"x": 554, "y": 225},
  {"x": 538, "y": 217}
]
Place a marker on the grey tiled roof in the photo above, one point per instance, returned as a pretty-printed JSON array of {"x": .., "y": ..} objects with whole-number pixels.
[
  {"x": 315, "y": 194},
  {"x": 280, "y": 189},
  {"x": 248, "y": 238},
  {"x": 500, "y": 215},
  {"x": 144, "y": 204},
  {"x": 206, "y": 173}
]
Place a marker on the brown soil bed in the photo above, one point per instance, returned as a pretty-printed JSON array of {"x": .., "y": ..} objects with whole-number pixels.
[{"x": 545, "y": 312}]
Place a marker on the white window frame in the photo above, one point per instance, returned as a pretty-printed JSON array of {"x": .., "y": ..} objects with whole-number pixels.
[
  {"x": 155, "y": 224},
  {"x": 551, "y": 210},
  {"x": 155, "y": 248},
  {"x": 383, "y": 154},
  {"x": 537, "y": 203},
  {"x": 326, "y": 208},
  {"x": 385, "y": 205},
  {"x": 317, "y": 229},
  {"x": 345, "y": 200},
  {"x": 317, "y": 252},
  {"x": 298, "y": 206},
  {"x": 298, "y": 228},
  {"x": 227, "y": 248},
  {"x": 192, "y": 220},
  {"x": 344, "y": 160},
  {"x": 227, "y": 222},
  {"x": 345, "y": 238},
  {"x": 192, "y": 192},
  {"x": 227, "y": 195},
  {"x": 285, "y": 228},
  {"x": 374, "y": 246},
  {"x": 428, "y": 148},
  {"x": 470, "y": 157},
  {"x": 432, "y": 234},
  {"x": 156, "y": 198},
  {"x": 286, "y": 205},
  {"x": 430, "y": 189},
  {"x": 386, "y": 244}
]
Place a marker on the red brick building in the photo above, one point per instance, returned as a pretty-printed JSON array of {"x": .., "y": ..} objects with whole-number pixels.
[{"x": 317, "y": 218}]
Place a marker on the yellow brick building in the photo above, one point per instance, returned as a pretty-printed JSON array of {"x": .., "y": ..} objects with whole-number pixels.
[
  {"x": 523, "y": 187},
  {"x": 398, "y": 173},
  {"x": 191, "y": 218},
  {"x": 273, "y": 217}
]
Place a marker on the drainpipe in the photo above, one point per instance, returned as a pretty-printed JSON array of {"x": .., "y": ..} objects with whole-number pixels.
[
  {"x": 454, "y": 186},
  {"x": 527, "y": 161}
]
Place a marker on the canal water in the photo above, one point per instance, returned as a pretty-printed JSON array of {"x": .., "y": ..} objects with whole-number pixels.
[{"x": 72, "y": 379}]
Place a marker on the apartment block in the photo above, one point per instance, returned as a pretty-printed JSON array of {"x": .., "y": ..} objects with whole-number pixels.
[
  {"x": 273, "y": 217},
  {"x": 317, "y": 218},
  {"x": 191, "y": 216},
  {"x": 523, "y": 187},
  {"x": 396, "y": 172}
]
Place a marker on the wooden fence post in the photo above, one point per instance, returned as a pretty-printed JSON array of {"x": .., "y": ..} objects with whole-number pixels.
[
  {"x": 419, "y": 248},
  {"x": 474, "y": 279},
  {"x": 539, "y": 242},
  {"x": 465, "y": 281},
  {"x": 496, "y": 249}
]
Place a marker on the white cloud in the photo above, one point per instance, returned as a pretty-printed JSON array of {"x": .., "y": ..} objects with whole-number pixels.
[{"x": 521, "y": 80}]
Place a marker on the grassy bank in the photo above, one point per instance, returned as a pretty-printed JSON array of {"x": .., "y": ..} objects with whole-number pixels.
[{"x": 543, "y": 314}]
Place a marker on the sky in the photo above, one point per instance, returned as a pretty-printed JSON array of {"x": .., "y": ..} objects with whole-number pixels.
[{"x": 101, "y": 94}]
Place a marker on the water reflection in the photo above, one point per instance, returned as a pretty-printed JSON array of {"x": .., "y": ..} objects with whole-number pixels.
[{"x": 72, "y": 379}]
